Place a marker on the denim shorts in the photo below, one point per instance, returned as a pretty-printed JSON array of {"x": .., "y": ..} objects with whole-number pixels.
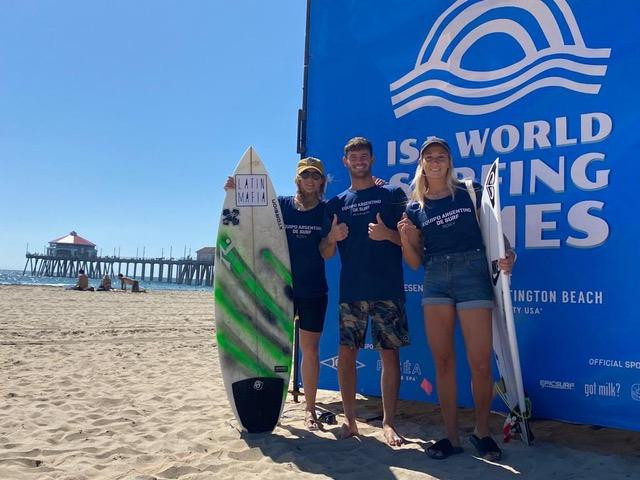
[{"x": 461, "y": 279}]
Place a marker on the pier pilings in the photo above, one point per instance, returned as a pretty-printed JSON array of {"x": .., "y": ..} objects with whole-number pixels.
[{"x": 181, "y": 271}]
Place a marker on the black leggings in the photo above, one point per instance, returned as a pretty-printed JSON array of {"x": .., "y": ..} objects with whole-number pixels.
[{"x": 310, "y": 312}]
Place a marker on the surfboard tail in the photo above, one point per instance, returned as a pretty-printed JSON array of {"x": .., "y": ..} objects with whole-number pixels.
[
  {"x": 258, "y": 401},
  {"x": 517, "y": 421}
]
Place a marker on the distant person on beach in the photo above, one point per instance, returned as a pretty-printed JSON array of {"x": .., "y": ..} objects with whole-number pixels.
[
  {"x": 361, "y": 223},
  {"x": 82, "y": 283},
  {"x": 303, "y": 215},
  {"x": 105, "y": 285},
  {"x": 135, "y": 284},
  {"x": 456, "y": 281}
]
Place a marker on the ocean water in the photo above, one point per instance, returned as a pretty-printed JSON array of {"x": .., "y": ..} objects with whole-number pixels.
[{"x": 15, "y": 277}]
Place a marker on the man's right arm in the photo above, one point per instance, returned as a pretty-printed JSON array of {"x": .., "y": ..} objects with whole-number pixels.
[{"x": 337, "y": 233}]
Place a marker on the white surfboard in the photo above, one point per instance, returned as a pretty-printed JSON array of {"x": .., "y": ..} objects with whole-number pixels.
[
  {"x": 505, "y": 343},
  {"x": 253, "y": 298}
]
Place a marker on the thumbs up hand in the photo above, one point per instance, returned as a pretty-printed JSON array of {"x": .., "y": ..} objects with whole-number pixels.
[
  {"x": 339, "y": 231},
  {"x": 408, "y": 231},
  {"x": 379, "y": 231}
]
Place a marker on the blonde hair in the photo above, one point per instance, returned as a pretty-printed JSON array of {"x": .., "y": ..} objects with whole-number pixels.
[
  {"x": 420, "y": 184},
  {"x": 321, "y": 190}
]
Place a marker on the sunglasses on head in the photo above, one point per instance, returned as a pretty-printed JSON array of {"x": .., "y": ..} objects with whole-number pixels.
[{"x": 310, "y": 174}]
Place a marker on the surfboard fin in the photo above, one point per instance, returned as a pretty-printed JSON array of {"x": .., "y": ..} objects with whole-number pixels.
[{"x": 516, "y": 422}]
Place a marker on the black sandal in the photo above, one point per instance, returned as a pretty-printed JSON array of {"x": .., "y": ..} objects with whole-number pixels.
[
  {"x": 486, "y": 447},
  {"x": 443, "y": 449}
]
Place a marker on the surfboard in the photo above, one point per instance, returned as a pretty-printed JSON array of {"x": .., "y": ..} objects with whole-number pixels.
[
  {"x": 253, "y": 298},
  {"x": 505, "y": 343}
]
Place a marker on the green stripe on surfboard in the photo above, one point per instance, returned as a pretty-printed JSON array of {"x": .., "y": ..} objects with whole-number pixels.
[
  {"x": 243, "y": 357},
  {"x": 248, "y": 328},
  {"x": 231, "y": 257},
  {"x": 279, "y": 267}
]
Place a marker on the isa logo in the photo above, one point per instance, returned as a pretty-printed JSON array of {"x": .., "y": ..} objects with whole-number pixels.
[{"x": 459, "y": 69}]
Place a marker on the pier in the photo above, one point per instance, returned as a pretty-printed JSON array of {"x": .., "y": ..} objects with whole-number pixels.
[{"x": 170, "y": 270}]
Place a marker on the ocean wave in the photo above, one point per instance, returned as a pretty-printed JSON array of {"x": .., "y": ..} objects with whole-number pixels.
[{"x": 481, "y": 109}]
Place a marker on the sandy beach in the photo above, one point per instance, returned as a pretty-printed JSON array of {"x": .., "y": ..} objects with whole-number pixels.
[{"x": 113, "y": 385}]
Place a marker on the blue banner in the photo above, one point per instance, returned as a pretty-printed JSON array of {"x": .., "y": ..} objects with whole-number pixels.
[{"x": 548, "y": 86}]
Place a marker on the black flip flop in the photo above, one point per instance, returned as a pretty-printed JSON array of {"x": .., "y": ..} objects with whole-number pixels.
[
  {"x": 443, "y": 449},
  {"x": 486, "y": 447},
  {"x": 328, "y": 417}
]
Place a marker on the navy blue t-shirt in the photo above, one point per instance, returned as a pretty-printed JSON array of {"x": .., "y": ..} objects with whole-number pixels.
[
  {"x": 371, "y": 270},
  {"x": 449, "y": 224},
  {"x": 304, "y": 232}
]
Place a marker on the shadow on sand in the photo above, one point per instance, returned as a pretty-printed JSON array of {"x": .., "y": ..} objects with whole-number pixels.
[{"x": 367, "y": 457}]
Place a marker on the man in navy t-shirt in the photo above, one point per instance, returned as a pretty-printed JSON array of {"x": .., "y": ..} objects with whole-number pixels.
[{"x": 361, "y": 222}]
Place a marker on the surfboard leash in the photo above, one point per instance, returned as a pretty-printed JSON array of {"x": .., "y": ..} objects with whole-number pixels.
[{"x": 515, "y": 418}]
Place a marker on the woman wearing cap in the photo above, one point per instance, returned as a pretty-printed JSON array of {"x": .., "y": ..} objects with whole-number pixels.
[
  {"x": 440, "y": 231},
  {"x": 303, "y": 214}
]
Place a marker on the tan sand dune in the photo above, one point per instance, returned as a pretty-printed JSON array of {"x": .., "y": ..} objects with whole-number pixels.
[{"x": 111, "y": 385}]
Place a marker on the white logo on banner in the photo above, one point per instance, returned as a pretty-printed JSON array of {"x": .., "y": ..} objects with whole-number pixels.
[
  {"x": 557, "y": 384},
  {"x": 332, "y": 362},
  {"x": 439, "y": 80},
  {"x": 635, "y": 392}
]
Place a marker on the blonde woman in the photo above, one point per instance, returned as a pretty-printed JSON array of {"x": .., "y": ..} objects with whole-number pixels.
[
  {"x": 440, "y": 231},
  {"x": 303, "y": 215}
]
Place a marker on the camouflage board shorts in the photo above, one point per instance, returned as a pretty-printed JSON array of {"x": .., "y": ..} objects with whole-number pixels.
[{"x": 389, "y": 327}]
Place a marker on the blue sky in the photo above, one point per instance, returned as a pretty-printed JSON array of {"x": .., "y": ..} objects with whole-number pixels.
[{"x": 121, "y": 119}]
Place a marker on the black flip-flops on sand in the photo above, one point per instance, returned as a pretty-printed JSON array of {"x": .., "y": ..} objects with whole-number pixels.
[
  {"x": 328, "y": 417},
  {"x": 486, "y": 447},
  {"x": 443, "y": 449}
]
